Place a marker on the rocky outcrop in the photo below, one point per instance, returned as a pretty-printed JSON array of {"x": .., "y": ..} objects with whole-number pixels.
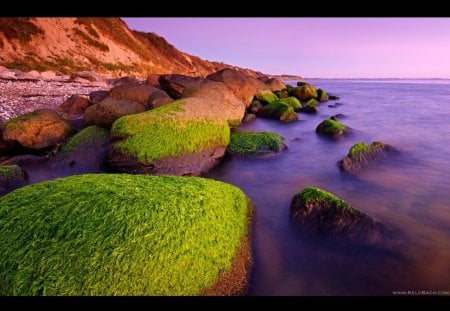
[
  {"x": 74, "y": 106},
  {"x": 175, "y": 84},
  {"x": 362, "y": 155},
  {"x": 37, "y": 130},
  {"x": 140, "y": 93},
  {"x": 11, "y": 177},
  {"x": 320, "y": 212},
  {"x": 244, "y": 87},
  {"x": 332, "y": 129},
  {"x": 109, "y": 110}
]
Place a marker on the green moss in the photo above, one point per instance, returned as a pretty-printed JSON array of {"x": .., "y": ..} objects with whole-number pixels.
[
  {"x": 266, "y": 98},
  {"x": 360, "y": 149},
  {"x": 278, "y": 110},
  {"x": 87, "y": 135},
  {"x": 119, "y": 234},
  {"x": 8, "y": 169},
  {"x": 251, "y": 144},
  {"x": 331, "y": 127},
  {"x": 164, "y": 132},
  {"x": 17, "y": 123},
  {"x": 312, "y": 195},
  {"x": 255, "y": 102},
  {"x": 322, "y": 95},
  {"x": 90, "y": 41},
  {"x": 312, "y": 102},
  {"x": 292, "y": 101}
]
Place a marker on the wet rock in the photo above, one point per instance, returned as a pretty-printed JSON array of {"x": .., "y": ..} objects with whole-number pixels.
[
  {"x": 250, "y": 144},
  {"x": 331, "y": 106},
  {"x": 279, "y": 110},
  {"x": 308, "y": 109},
  {"x": 332, "y": 129},
  {"x": 175, "y": 84},
  {"x": 304, "y": 92},
  {"x": 249, "y": 117},
  {"x": 362, "y": 155},
  {"x": 322, "y": 95},
  {"x": 74, "y": 106},
  {"x": 255, "y": 106},
  {"x": 333, "y": 97},
  {"x": 11, "y": 177}
]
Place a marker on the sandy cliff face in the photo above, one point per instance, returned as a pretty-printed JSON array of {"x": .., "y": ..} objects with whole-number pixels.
[{"x": 106, "y": 45}]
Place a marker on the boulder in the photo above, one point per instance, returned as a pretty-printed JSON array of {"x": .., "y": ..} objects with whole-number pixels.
[
  {"x": 249, "y": 144},
  {"x": 332, "y": 129},
  {"x": 333, "y": 97},
  {"x": 91, "y": 76},
  {"x": 30, "y": 76},
  {"x": 11, "y": 178},
  {"x": 48, "y": 75},
  {"x": 361, "y": 155},
  {"x": 243, "y": 86},
  {"x": 160, "y": 98},
  {"x": 255, "y": 106},
  {"x": 124, "y": 80},
  {"x": 282, "y": 94},
  {"x": 109, "y": 110},
  {"x": 74, "y": 106},
  {"x": 266, "y": 97},
  {"x": 304, "y": 92},
  {"x": 274, "y": 84},
  {"x": 320, "y": 212},
  {"x": 37, "y": 130},
  {"x": 249, "y": 117},
  {"x": 96, "y": 97},
  {"x": 152, "y": 80},
  {"x": 127, "y": 235},
  {"x": 280, "y": 111},
  {"x": 292, "y": 101},
  {"x": 308, "y": 109},
  {"x": 139, "y": 93},
  {"x": 174, "y": 84},
  {"x": 86, "y": 151},
  {"x": 322, "y": 95}
]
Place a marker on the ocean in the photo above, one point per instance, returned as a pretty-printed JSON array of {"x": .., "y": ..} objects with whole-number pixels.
[{"x": 409, "y": 192}]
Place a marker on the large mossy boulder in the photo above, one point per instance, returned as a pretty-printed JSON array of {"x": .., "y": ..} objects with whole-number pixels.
[
  {"x": 109, "y": 110},
  {"x": 304, "y": 92},
  {"x": 249, "y": 144},
  {"x": 280, "y": 111},
  {"x": 86, "y": 151},
  {"x": 108, "y": 234},
  {"x": 139, "y": 93},
  {"x": 11, "y": 177},
  {"x": 243, "y": 86},
  {"x": 320, "y": 212},
  {"x": 293, "y": 102},
  {"x": 266, "y": 97},
  {"x": 37, "y": 130},
  {"x": 187, "y": 137},
  {"x": 332, "y": 129},
  {"x": 362, "y": 155}
]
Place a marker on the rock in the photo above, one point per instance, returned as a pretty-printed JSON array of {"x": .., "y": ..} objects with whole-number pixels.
[
  {"x": 244, "y": 87},
  {"x": 337, "y": 116},
  {"x": 362, "y": 155},
  {"x": 338, "y": 104},
  {"x": 274, "y": 84},
  {"x": 124, "y": 80},
  {"x": 48, "y": 75},
  {"x": 109, "y": 110},
  {"x": 8, "y": 75},
  {"x": 195, "y": 230},
  {"x": 74, "y": 106},
  {"x": 333, "y": 97},
  {"x": 331, "y": 106},
  {"x": 81, "y": 81},
  {"x": 139, "y": 93},
  {"x": 186, "y": 137},
  {"x": 304, "y": 92},
  {"x": 332, "y": 129},
  {"x": 320, "y": 212},
  {"x": 278, "y": 110},
  {"x": 160, "y": 98},
  {"x": 266, "y": 97},
  {"x": 174, "y": 84},
  {"x": 249, "y": 117},
  {"x": 91, "y": 76},
  {"x": 301, "y": 83},
  {"x": 282, "y": 94},
  {"x": 255, "y": 106},
  {"x": 152, "y": 80},
  {"x": 11, "y": 177},
  {"x": 3, "y": 69},
  {"x": 249, "y": 144},
  {"x": 308, "y": 109},
  {"x": 37, "y": 130},
  {"x": 293, "y": 102},
  {"x": 101, "y": 84},
  {"x": 30, "y": 76},
  {"x": 96, "y": 97},
  {"x": 86, "y": 151},
  {"x": 322, "y": 95}
]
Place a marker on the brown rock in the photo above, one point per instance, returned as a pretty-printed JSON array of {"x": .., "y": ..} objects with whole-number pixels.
[
  {"x": 304, "y": 92},
  {"x": 97, "y": 96},
  {"x": 274, "y": 84},
  {"x": 174, "y": 84},
  {"x": 87, "y": 75},
  {"x": 109, "y": 110},
  {"x": 152, "y": 80},
  {"x": 38, "y": 129},
  {"x": 48, "y": 75},
  {"x": 30, "y": 76},
  {"x": 74, "y": 106},
  {"x": 244, "y": 87},
  {"x": 139, "y": 93}
]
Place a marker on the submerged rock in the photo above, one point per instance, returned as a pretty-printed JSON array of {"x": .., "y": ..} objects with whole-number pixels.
[
  {"x": 280, "y": 111},
  {"x": 11, "y": 178},
  {"x": 362, "y": 155},
  {"x": 320, "y": 212},
  {"x": 332, "y": 129},
  {"x": 304, "y": 92},
  {"x": 249, "y": 144},
  {"x": 37, "y": 130}
]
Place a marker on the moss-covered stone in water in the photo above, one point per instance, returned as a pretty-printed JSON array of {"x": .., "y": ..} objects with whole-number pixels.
[
  {"x": 87, "y": 135},
  {"x": 119, "y": 234},
  {"x": 333, "y": 129},
  {"x": 163, "y": 132},
  {"x": 266, "y": 98},
  {"x": 358, "y": 149},
  {"x": 361, "y": 155},
  {"x": 304, "y": 92},
  {"x": 11, "y": 177},
  {"x": 312, "y": 195},
  {"x": 312, "y": 103},
  {"x": 322, "y": 95},
  {"x": 279, "y": 110},
  {"x": 293, "y": 102},
  {"x": 253, "y": 144},
  {"x": 282, "y": 93}
]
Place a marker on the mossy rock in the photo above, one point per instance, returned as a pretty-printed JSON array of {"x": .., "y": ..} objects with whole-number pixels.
[
  {"x": 249, "y": 144},
  {"x": 279, "y": 110},
  {"x": 304, "y": 92},
  {"x": 282, "y": 93},
  {"x": 333, "y": 97},
  {"x": 12, "y": 177},
  {"x": 249, "y": 117},
  {"x": 108, "y": 234},
  {"x": 332, "y": 129},
  {"x": 312, "y": 102},
  {"x": 308, "y": 109},
  {"x": 362, "y": 155},
  {"x": 255, "y": 106},
  {"x": 322, "y": 213},
  {"x": 266, "y": 98},
  {"x": 292, "y": 101},
  {"x": 86, "y": 151},
  {"x": 322, "y": 95},
  {"x": 177, "y": 139},
  {"x": 37, "y": 130},
  {"x": 301, "y": 83}
]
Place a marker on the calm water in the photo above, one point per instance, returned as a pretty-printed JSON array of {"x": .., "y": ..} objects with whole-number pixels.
[{"x": 410, "y": 193}]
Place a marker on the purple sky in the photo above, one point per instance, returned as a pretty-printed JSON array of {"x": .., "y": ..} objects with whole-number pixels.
[{"x": 314, "y": 47}]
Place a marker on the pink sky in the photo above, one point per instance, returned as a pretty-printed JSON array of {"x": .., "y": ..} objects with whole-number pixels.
[{"x": 315, "y": 47}]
